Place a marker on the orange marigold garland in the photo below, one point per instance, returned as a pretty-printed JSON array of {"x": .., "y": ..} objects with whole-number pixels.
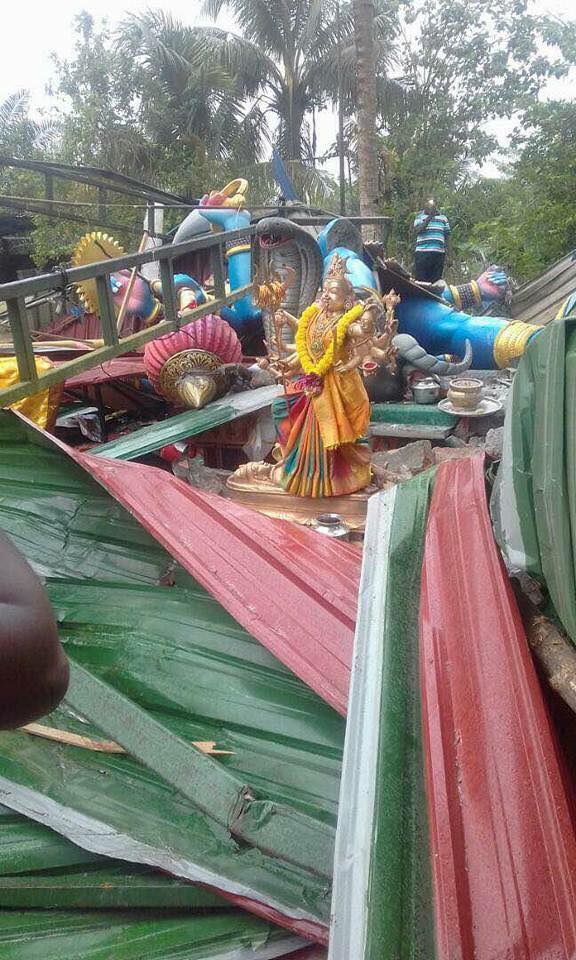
[{"x": 322, "y": 366}]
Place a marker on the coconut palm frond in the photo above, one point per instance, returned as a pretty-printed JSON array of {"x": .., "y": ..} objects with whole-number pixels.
[
  {"x": 213, "y": 8},
  {"x": 14, "y": 108},
  {"x": 240, "y": 57},
  {"x": 262, "y": 21},
  {"x": 311, "y": 24},
  {"x": 45, "y": 132}
]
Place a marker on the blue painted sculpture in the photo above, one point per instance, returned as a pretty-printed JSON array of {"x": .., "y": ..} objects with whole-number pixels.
[
  {"x": 434, "y": 316},
  {"x": 219, "y": 211}
]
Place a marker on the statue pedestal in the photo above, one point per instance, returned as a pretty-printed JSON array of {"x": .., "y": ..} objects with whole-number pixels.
[{"x": 273, "y": 501}]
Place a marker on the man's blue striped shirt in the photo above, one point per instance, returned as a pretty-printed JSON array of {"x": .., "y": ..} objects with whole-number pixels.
[{"x": 433, "y": 238}]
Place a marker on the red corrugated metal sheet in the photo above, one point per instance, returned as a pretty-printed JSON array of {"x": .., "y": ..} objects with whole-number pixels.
[
  {"x": 87, "y": 327},
  {"x": 503, "y": 847},
  {"x": 292, "y": 589},
  {"x": 110, "y": 370}
]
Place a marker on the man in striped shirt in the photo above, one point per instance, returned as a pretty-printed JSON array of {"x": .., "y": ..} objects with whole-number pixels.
[{"x": 432, "y": 236}]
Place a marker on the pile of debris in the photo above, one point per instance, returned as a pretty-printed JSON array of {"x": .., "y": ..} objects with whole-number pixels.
[{"x": 274, "y": 747}]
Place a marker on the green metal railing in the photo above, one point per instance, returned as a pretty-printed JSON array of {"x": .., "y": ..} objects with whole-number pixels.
[{"x": 15, "y": 295}]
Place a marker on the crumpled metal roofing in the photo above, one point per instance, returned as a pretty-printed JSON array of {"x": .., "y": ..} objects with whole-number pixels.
[
  {"x": 294, "y": 591},
  {"x": 382, "y": 895},
  {"x": 190, "y": 666},
  {"x": 114, "y": 369},
  {"x": 539, "y": 300},
  {"x": 182, "y": 659},
  {"x": 497, "y": 875},
  {"x": 146, "y": 935},
  {"x": 534, "y": 499},
  {"x": 188, "y": 424},
  {"x": 503, "y": 845}
]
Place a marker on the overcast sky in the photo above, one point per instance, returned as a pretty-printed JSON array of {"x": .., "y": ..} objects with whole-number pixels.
[{"x": 32, "y": 29}]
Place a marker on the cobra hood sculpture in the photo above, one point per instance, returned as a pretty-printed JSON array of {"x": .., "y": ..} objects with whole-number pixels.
[{"x": 284, "y": 244}]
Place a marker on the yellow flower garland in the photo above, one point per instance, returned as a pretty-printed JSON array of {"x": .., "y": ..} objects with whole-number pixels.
[{"x": 322, "y": 366}]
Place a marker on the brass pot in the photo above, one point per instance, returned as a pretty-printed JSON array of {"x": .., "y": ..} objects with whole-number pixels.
[{"x": 465, "y": 393}]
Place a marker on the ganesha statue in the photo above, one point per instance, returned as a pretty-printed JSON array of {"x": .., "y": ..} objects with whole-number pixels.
[{"x": 320, "y": 441}]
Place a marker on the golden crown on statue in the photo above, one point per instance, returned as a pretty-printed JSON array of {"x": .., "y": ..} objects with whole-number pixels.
[{"x": 337, "y": 268}]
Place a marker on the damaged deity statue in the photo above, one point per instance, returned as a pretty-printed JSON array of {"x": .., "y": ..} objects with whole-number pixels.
[{"x": 320, "y": 448}]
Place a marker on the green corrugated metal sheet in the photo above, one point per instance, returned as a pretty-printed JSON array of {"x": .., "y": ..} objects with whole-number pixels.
[
  {"x": 106, "y": 887},
  {"x": 176, "y": 654},
  {"x": 26, "y": 846},
  {"x": 186, "y": 425},
  {"x": 114, "y": 935},
  {"x": 40, "y": 868},
  {"x": 411, "y": 413},
  {"x": 534, "y": 501},
  {"x": 382, "y": 903}
]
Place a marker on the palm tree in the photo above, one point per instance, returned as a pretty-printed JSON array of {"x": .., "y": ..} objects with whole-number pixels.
[
  {"x": 19, "y": 133},
  {"x": 364, "y": 30},
  {"x": 187, "y": 97},
  {"x": 287, "y": 56}
]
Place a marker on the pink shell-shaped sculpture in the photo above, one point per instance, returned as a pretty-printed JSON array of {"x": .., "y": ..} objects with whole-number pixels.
[{"x": 208, "y": 333}]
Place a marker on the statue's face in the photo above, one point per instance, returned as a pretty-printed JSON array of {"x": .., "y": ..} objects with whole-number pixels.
[
  {"x": 335, "y": 295},
  {"x": 367, "y": 321}
]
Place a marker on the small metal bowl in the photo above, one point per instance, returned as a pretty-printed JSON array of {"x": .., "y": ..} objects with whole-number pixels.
[
  {"x": 426, "y": 391},
  {"x": 332, "y": 525}
]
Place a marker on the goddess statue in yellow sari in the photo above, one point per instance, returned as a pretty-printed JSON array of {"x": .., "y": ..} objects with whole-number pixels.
[{"x": 320, "y": 439}]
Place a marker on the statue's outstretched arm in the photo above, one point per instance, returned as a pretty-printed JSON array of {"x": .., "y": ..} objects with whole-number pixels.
[
  {"x": 287, "y": 318},
  {"x": 352, "y": 364}
]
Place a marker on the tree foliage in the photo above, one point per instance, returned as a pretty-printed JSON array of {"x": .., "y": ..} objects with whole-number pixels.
[
  {"x": 188, "y": 107},
  {"x": 288, "y": 55},
  {"x": 464, "y": 63},
  {"x": 20, "y": 135},
  {"x": 530, "y": 219}
]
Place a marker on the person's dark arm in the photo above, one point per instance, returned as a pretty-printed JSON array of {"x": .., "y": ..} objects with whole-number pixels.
[
  {"x": 448, "y": 240},
  {"x": 420, "y": 227},
  {"x": 34, "y": 670}
]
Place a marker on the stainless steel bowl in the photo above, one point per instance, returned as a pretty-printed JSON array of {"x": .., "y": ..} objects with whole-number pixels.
[{"x": 332, "y": 525}]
